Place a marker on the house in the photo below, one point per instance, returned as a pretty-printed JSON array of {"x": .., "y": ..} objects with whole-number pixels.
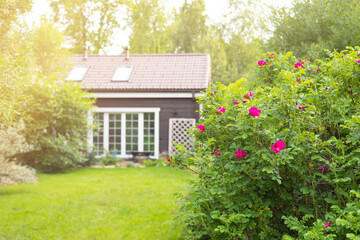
[{"x": 138, "y": 96}]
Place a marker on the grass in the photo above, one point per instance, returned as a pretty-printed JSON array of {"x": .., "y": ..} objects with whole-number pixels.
[{"x": 132, "y": 203}]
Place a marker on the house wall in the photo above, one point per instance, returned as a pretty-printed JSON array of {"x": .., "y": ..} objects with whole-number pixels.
[{"x": 185, "y": 108}]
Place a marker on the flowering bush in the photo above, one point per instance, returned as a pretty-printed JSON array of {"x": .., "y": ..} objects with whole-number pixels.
[
  {"x": 289, "y": 162},
  {"x": 11, "y": 143},
  {"x": 12, "y": 173}
]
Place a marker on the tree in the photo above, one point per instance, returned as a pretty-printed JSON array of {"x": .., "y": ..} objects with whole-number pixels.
[
  {"x": 148, "y": 23},
  {"x": 244, "y": 17},
  {"x": 47, "y": 41},
  {"x": 189, "y": 26},
  {"x": 310, "y": 26},
  {"x": 241, "y": 56},
  {"x": 87, "y": 22},
  {"x": 9, "y": 14}
]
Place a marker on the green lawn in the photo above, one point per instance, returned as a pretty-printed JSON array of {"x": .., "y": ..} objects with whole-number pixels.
[{"x": 132, "y": 203}]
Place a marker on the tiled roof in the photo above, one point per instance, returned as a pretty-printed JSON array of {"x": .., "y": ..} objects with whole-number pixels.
[{"x": 151, "y": 72}]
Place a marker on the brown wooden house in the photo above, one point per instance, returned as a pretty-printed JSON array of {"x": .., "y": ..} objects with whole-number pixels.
[{"x": 138, "y": 95}]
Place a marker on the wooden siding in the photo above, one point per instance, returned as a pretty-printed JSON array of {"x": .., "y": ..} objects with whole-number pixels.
[{"x": 184, "y": 107}]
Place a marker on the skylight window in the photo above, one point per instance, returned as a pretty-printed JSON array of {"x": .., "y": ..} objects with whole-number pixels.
[
  {"x": 122, "y": 74},
  {"x": 77, "y": 74}
]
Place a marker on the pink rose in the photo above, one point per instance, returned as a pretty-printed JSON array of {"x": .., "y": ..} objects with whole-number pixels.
[
  {"x": 254, "y": 112},
  {"x": 278, "y": 146},
  {"x": 327, "y": 224},
  {"x": 240, "y": 154},
  {"x": 201, "y": 128},
  {"x": 217, "y": 153},
  {"x": 261, "y": 63},
  {"x": 220, "y": 110},
  {"x": 302, "y": 108},
  {"x": 298, "y": 64}
]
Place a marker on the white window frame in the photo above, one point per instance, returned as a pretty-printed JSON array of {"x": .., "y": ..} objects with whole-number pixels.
[{"x": 123, "y": 112}]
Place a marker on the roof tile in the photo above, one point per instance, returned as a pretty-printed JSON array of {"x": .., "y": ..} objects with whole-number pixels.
[{"x": 150, "y": 71}]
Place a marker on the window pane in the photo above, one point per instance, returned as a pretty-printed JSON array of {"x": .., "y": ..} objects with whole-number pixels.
[
  {"x": 149, "y": 132},
  {"x": 131, "y": 132},
  {"x": 122, "y": 74},
  {"x": 98, "y": 134},
  {"x": 77, "y": 74},
  {"x": 115, "y": 132}
]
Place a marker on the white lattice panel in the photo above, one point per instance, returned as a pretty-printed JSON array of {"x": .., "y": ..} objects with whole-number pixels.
[{"x": 178, "y": 133}]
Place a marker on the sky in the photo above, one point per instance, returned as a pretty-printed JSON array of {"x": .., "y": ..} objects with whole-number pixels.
[{"x": 214, "y": 9}]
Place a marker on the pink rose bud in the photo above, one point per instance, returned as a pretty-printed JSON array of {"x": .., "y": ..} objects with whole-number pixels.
[{"x": 217, "y": 153}]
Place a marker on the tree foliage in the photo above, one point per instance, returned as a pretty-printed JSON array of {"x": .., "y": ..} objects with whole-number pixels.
[
  {"x": 189, "y": 26},
  {"x": 9, "y": 14},
  {"x": 148, "y": 23},
  {"x": 47, "y": 48},
  {"x": 87, "y": 22},
  {"x": 310, "y": 26}
]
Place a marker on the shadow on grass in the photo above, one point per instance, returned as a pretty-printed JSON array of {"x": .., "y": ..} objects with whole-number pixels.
[{"x": 9, "y": 192}]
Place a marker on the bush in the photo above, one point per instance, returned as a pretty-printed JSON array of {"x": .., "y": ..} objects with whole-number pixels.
[
  {"x": 55, "y": 117},
  {"x": 153, "y": 163},
  {"x": 12, "y": 143},
  {"x": 130, "y": 165},
  {"x": 109, "y": 159},
  {"x": 90, "y": 159},
  {"x": 12, "y": 173},
  {"x": 280, "y": 160}
]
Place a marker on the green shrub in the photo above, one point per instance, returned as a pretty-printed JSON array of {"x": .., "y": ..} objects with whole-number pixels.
[
  {"x": 55, "y": 119},
  {"x": 281, "y": 159},
  {"x": 153, "y": 163},
  {"x": 109, "y": 159},
  {"x": 90, "y": 159},
  {"x": 130, "y": 165}
]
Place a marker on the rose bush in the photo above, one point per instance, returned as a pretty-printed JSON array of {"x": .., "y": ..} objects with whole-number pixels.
[{"x": 289, "y": 162}]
